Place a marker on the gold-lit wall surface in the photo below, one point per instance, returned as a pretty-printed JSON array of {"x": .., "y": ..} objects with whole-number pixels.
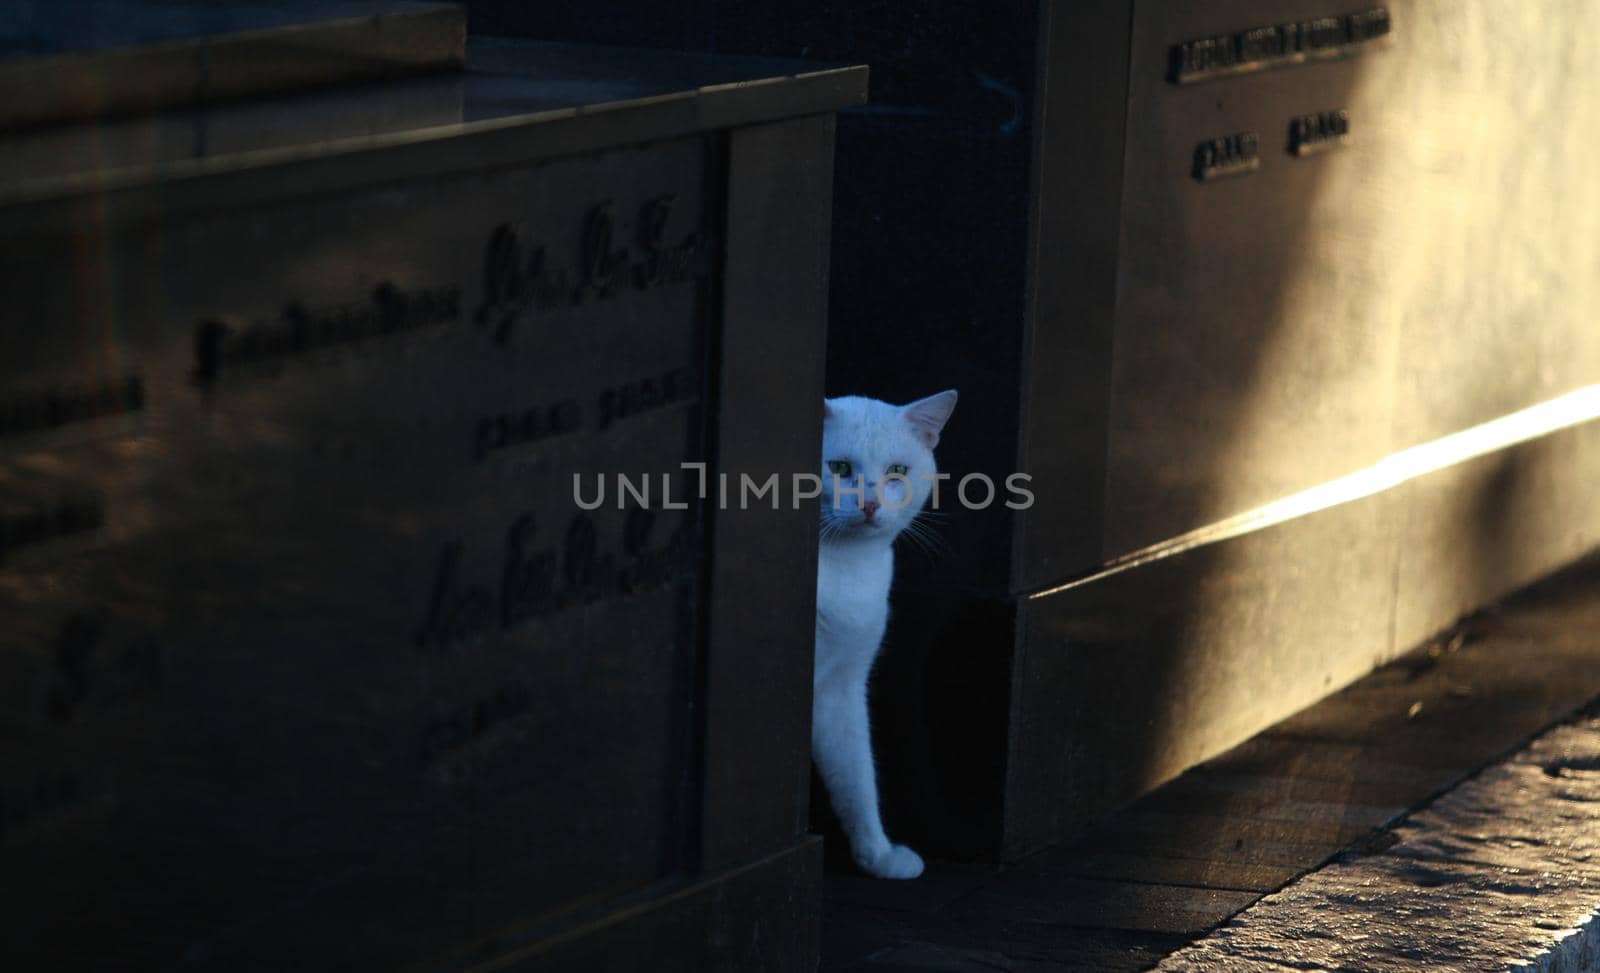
[{"x": 1435, "y": 270}]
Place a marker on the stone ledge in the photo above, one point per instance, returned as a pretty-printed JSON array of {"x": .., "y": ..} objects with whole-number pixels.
[
  {"x": 1331, "y": 780},
  {"x": 1501, "y": 873}
]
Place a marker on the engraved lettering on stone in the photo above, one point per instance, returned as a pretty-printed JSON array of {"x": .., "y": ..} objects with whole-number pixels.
[
  {"x": 1229, "y": 155},
  {"x": 299, "y": 330},
  {"x": 644, "y": 395},
  {"x": 664, "y": 263},
  {"x": 536, "y": 581},
  {"x": 623, "y": 401},
  {"x": 520, "y": 279},
  {"x": 1318, "y": 132},
  {"x": 457, "y": 613},
  {"x": 1276, "y": 45},
  {"x": 531, "y": 425},
  {"x": 474, "y": 721},
  {"x": 605, "y": 271},
  {"x": 513, "y": 283}
]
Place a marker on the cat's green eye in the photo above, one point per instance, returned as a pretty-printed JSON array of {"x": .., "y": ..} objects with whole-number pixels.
[
  {"x": 897, "y": 469},
  {"x": 840, "y": 467}
]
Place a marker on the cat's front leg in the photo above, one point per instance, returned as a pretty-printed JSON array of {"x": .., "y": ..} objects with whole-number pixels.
[{"x": 841, "y": 744}]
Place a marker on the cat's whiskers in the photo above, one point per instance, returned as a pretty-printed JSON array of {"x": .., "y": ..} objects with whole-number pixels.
[
  {"x": 922, "y": 536},
  {"x": 833, "y": 527}
]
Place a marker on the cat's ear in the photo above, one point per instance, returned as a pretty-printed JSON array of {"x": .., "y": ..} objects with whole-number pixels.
[
  {"x": 928, "y": 416},
  {"x": 827, "y": 411}
]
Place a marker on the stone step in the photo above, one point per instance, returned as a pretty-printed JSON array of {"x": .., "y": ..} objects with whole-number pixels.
[
  {"x": 1501, "y": 872},
  {"x": 1327, "y": 782}
]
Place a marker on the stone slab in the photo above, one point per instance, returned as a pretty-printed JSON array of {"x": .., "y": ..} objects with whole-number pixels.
[
  {"x": 1224, "y": 870},
  {"x": 1500, "y": 873},
  {"x": 866, "y": 941},
  {"x": 96, "y": 60},
  {"x": 1279, "y": 805},
  {"x": 308, "y": 648},
  {"x": 1487, "y": 526},
  {"x": 1102, "y": 904},
  {"x": 1125, "y": 681},
  {"x": 1163, "y": 352}
]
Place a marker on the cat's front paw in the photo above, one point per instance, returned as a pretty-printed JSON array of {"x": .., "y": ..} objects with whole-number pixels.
[{"x": 894, "y": 861}]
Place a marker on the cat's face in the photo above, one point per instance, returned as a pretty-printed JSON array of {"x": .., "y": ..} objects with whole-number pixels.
[{"x": 877, "y": 464}]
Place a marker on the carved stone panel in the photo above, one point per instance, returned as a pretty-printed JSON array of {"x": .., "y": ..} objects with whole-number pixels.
[{"x": 298, "y": 601}]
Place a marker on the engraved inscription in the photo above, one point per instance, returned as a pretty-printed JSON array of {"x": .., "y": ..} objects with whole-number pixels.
[
  {"x": 531, "y": 425},
  {"x": 605, "y": 269},
  {"x": 62, "y": 406},
  {"x": 1229, "y": 155},
  {"x": 1276, "y": 45},
  {"x": 655, "y": 392},
  {"x": 516, "y": 282},
  {"x": 457, "y": 612},
  {"x": 540, "y": 581},
  {"x": 519, "y": 280},
  {"x": 38, "y": 526},
  {"x": 538, "y": 423},
  {"x": 474, "y": 721},
  {"x": 531, "y": 587},
  {"x": 1316, "y": 133},
  {"x": 300, "y": 330}
]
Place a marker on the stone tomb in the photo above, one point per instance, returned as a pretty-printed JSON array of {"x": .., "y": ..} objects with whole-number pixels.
[
  {"x": 1184, "y": 260},
  {"x": 308, "y": 653}
]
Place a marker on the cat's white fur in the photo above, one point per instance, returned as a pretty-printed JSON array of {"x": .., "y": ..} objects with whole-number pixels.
[{"x": 855, "y": 567}]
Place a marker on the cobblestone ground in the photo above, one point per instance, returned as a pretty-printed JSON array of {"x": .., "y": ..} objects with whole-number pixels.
[{"x": 1502, "y": 873}]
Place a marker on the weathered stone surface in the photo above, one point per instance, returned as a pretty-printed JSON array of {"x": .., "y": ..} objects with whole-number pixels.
[
  {"x": 937, "y": 888},
  {"x": 1516, "y": 815},
  {"x": 955, "y": 959},
  {"x": 886, "y": 939},
  {"x": 1174, "y": 864},
  {"x": 1501, "y": 873},
  {"x": 1236, "y": 837},
  {"x": 1221, "y": 872},
  {"x": 1129, "y": 906},
  {"x": 307, "y": 653}
]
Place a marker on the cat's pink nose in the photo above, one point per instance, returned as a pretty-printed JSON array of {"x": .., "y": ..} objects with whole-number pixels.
[{"x": 869, "y": 508}]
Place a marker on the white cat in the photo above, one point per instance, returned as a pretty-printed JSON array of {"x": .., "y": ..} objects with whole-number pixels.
[{"x": 877, "y": 473}]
